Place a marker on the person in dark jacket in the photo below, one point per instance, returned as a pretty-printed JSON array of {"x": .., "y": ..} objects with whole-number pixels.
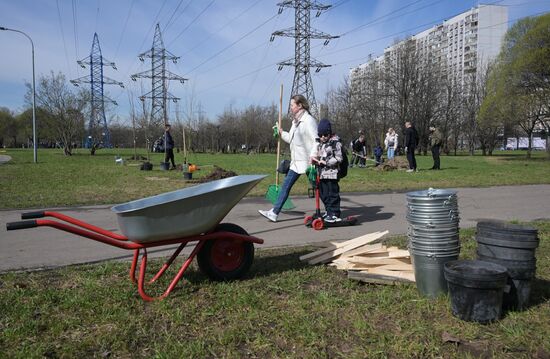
[
  {"x": 378, "y": 151},
  {"x": 359, "y": 151},
  {"x": 168, "y": 146},
  {"x": 435, "y": 141},
  {"x": 411, "y": 141}
]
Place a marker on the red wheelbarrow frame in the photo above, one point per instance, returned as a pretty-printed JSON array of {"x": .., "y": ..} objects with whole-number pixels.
[{"x": 87, "y": 230}]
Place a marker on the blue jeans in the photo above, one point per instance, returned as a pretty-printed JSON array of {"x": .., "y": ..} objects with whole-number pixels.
[
  {"x": 391, "y": 153},
  {"x": 284, "y": 190}
]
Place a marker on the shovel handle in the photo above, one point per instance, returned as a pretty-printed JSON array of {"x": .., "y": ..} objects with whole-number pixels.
[
  {"x": 31, "y": 215},
  {"x": 280, "y": 120},
  {"x": 21, "y": 225}
]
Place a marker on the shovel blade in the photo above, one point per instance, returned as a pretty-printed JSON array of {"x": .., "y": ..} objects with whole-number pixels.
[{"x": 272, "y": 195}]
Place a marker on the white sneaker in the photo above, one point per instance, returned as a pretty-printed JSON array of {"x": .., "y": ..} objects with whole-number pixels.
[
  {"x": 332, "y": 219},
  {"x": 272, "y": 216},
  {"x": 410, "y": 170}
]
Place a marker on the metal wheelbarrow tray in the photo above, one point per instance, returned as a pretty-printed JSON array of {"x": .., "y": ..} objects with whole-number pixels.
[{"x": 224, "y": 251}]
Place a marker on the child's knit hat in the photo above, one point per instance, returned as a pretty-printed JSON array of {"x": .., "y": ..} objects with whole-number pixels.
[{"x": 324, "y": 127}]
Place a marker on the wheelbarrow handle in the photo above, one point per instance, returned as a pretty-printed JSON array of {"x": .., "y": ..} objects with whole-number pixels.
[
  {"x": 31, "y": 215},
  {"x": 21, "y": 225}
]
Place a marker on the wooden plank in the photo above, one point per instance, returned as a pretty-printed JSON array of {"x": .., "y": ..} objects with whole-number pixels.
[
  {"x": 379, "y": 261},
  {"x": 400, "y": 253},
  {"x": 375, "y": 278},
  {"x": 361, "y": 240},
  {"x": 397, "y": 267},
  {"x": 397, "y": 274},
  {"x": 363, "y": 249},
  {"x": 326, "y": 244},
  {"x": 355, "y": 244}
]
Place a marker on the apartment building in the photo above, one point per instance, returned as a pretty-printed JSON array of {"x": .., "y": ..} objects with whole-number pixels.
[{"x": 458, "y": 47}]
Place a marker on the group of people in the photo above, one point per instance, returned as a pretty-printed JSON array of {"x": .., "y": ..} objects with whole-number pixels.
[{"x": 312, "y": 144}]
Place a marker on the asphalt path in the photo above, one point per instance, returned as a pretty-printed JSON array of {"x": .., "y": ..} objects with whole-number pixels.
[{"x": 46, "y": 247}]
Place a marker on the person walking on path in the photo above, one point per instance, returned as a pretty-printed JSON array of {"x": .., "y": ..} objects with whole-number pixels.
[
  {"x": 329, "y": 157},
  {"x": 359, "y": 151},
  {"x": 411, "y": 140},
  {"x": 435, "y": 141},
  {"x": 169, "y": 146},
  {"x": 391, "y": 143},
  {"x": 303, "y": 148}
]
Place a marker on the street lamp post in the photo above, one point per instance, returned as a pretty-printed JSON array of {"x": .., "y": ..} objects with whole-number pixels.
[{"x": 35, "y": 145}]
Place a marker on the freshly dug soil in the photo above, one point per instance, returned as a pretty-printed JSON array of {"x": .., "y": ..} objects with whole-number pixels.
[
  {"x": 216, "y": 174},
  {"x": 396, "y": 163}
]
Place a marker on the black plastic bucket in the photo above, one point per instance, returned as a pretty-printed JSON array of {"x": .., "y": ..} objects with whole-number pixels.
[
  {"x": 512, "y": 246},
  {"x": 521, "y": 274},
  {"x": 165, "y": 166},
  {"x": 506, "y": 249},
  {"x": 476, "y": 289},
  {"x": 505, "y": 227}
]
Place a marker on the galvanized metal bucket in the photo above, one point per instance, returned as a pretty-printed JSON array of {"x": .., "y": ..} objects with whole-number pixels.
[{"x": 433, "y": 219}]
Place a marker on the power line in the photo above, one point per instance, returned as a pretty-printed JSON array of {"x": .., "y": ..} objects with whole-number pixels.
[
  {"x": 192, "y": 22},
  {"x": 233, "y": 43},
  {"x": 372, "y": 22},
  {"x": 169, "y": 23},
  {"x": 75, "y": 27},
  {"x": 124, "y": 28},
  {"x": 63, "y": 37},
  {"x": 174, "y": 13},
  {"x": 203, "y": 41}
]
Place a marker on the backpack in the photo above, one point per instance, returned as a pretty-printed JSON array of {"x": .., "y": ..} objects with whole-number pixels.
[{"x": 343, "y": 167}]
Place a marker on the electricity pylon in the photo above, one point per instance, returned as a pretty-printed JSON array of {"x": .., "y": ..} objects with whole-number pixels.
[
  {"x": 303, "y": 33},
  {"x": 98, "y": 132},
  {"x": 159, "y": 76}
]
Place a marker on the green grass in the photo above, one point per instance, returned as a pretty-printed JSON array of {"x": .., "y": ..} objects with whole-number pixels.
[
  {"x": 81, "y": 179},
  {"x": 283, "y": 309}
]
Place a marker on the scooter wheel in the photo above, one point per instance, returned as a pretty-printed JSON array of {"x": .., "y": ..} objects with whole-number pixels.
[
  {"x": 308, "y": 220},
  {"x": 318, "y": 224}
]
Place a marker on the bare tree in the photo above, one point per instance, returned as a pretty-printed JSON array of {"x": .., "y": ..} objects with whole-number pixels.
[{"x": 65, "y": 109}]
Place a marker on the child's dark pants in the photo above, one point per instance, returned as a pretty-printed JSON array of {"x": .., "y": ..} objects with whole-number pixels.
[{"x": 329, "y": 190}]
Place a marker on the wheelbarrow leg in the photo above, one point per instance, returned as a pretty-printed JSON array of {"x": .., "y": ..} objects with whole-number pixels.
[
  {"x": 168, "y": 262},
  {"x": 176, "y": 279},
  {"x": 133, "y": 266}
]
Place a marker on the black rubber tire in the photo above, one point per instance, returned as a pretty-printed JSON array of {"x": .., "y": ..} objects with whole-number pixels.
[{"x": 208, "y": 267}]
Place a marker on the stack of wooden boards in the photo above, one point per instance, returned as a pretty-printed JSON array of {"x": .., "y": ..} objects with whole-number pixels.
[{"x": 364, "y": 261}]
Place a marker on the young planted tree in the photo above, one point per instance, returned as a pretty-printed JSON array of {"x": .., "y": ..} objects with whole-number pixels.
[{"x": 64, "y": 109}]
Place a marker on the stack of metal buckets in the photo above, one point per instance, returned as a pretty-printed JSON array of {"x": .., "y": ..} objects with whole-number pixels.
[{"x": 433, "y": 237}]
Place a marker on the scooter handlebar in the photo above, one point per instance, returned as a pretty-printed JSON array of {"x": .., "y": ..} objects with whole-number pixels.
[
  {"x": 21, "y": 225},
  {"x": 31, "y": 215}
]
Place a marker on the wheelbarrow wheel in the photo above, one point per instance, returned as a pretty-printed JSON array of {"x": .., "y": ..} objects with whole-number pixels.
[{"x": 226, "y": 259}]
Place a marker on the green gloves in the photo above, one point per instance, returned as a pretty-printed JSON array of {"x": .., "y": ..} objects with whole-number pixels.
[
  {"x": 311, "y": 173},
  {"x": 275, "y": 131}
]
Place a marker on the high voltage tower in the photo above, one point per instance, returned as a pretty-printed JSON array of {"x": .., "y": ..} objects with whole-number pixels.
[
  {"x": 303, "y": 33},
  {"x": 159, "y": 76},
  {"x": 98, "y": 132}
]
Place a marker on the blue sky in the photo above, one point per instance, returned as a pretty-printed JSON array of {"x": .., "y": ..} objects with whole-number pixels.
[{"x": 224, "y": 44}]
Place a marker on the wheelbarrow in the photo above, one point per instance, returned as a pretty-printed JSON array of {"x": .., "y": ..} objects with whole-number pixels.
[{"x": 224, "y": 251}]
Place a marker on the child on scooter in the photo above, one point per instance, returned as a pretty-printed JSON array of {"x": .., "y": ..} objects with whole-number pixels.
[{"x": 329, "y": 158}]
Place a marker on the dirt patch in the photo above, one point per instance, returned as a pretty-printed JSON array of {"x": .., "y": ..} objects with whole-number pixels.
[
  {"x": 395, "y": 163},
  {"x": 216, "y": 174},
  {"x": 156, "y": 178},
  {"x": 137, "y": 158}
]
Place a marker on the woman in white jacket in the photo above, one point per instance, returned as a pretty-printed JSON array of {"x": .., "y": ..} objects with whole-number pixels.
[
  {"x": 303, "y": 146},
  {"x": 391, "y": 142}
]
